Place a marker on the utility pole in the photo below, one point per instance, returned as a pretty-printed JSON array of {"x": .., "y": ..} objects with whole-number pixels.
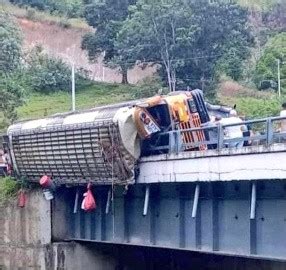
[
  {"x": 71, "y": 62},
  {"x": 103, "y": 69},
  {"x": 73, "y": 87},
  {"x": 279, "y": 79}
]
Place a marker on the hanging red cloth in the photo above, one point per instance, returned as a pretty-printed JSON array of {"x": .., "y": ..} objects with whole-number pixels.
[
  {"x": 22, "y": 198},
  {"x": 88, "y": 203}
]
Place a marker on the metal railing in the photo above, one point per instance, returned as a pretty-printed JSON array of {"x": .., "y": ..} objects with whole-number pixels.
[{"x": 264, "y": 132}]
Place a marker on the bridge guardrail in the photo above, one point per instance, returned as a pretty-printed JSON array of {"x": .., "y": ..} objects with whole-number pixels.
[{"x": 266, "y": 133}]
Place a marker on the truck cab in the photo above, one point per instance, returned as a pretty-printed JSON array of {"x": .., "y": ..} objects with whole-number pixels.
[{"x": 157, "y": 120}]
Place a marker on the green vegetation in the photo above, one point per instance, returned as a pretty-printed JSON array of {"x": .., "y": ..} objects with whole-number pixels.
[
  {"x": 259, "y": 4},
  {"x": 253, "y": 107},
  {"x": 249, "y": 102},
  {"x": 22, "y": 74},
  {"x": 107, "y": 17},
  {"x": 40, "y": 105},
  {"x": 186, "y": 41},
  {"x": 41, "y": 16},
  {"x": 266, "y": 67},
  {"x": 8, "y": 189},
  {"x": 10, "y": 43},
  {"x": 48, "y": 74},
  {"x": 89, "y": 96},
  {"x": 11, "y": 86},
  {"x": 149, "y": 87},
  {"x": 192, "y": 45},
  {"x": 68, "y": 8},
  {"x": 253, "y": 104}
]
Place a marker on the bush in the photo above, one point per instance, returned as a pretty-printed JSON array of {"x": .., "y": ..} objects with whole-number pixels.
[
  {"x": 69, "y": 8},
  {"x": 257, "y": 108},
  {"x": 9, "y": 188},
  {"x": 12, "y": 89},
  {"x": 148, "y": 88},
  {"x": 266, "y": 66},
  {"x": 31, "y": 14},
  {"x": 229, "y": 88},
  {"x": 48, "y": 74},
  {"x": 64, "y": 23}
]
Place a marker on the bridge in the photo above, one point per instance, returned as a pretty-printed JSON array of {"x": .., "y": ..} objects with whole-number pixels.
[{"x": 221, "y": 201}]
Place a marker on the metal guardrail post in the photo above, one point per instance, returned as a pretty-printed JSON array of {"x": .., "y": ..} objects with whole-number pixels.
[
  {"x": 269, "y": 127},
  {"x": 220, "y": 137},
  {"x": 174, "y": 142},
  {"x": 178, "y": 141},
  {"x": 171, "y": 142}
]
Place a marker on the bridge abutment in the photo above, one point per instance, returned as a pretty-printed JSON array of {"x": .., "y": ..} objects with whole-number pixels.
[{"x": 26, "y": 240}]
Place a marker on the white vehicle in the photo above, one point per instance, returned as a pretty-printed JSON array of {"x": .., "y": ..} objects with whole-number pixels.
[{"x": 103, "y": 145}]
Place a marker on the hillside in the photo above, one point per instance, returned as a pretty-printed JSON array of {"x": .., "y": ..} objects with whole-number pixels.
[
  {"x": 61, "y": 38},
  {"x": 250, "y": 103},
  {"x": 259, "y": 4},
  {"x": 40, "y": 105},
  {"x": 65, "y": 43}
]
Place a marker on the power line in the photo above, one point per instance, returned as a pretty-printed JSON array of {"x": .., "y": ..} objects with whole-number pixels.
[
  {"x": 154, "y": 61},
  {"x": 189, "y": 58}
]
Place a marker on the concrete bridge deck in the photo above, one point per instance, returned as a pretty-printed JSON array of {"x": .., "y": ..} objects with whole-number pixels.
[{"x": 247, "y": 163}]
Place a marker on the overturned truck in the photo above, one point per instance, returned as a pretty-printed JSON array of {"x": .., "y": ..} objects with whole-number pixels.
[{"x": 103, "y": 145}]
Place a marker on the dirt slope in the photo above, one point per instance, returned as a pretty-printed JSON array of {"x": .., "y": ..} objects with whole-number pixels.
[{"x": 65, "y": 43}]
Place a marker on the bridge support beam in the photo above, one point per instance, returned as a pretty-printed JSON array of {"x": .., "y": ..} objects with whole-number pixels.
[
  {"x": 236, "y": 218},
  {"x": 196, "y": 201},
  {"x": 146, "y": 201},
  {"x": 253, "y": 201},
  {"x": 108, "y": 201}
]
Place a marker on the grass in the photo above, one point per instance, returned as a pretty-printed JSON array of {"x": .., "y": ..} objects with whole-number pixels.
[
  {"x": 262, "y": 5},
  {"x": 40, "y": 105},
  {"x": 254, "y": 108},
  {"x": 8, "y": 189},
  {"x": 41, "y": 16},
  {"x": 251, "y": 103}
]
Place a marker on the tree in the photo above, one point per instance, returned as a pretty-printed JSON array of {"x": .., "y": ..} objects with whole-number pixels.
[
  {"x": 158, "y": 33},
  {"x": 222, "y": 42},
  {"x": 10, "y": 44},
  {"x": 49, "y": 74},
  {"x": 11, "y": 89},
  {"x": 275, "y": 18},
  {"x": 186, "y": 39},
  {"x": 260, "y": 5},
  {"x": 266, "y": 67},
  {"x": 11, "y": 93},
  {"x": 106, "y": 17}
]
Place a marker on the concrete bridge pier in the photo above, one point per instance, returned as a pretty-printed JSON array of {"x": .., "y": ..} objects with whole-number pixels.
[
  {"x": 76, "y": 256},
  {"x": 26, "y": 241}
]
